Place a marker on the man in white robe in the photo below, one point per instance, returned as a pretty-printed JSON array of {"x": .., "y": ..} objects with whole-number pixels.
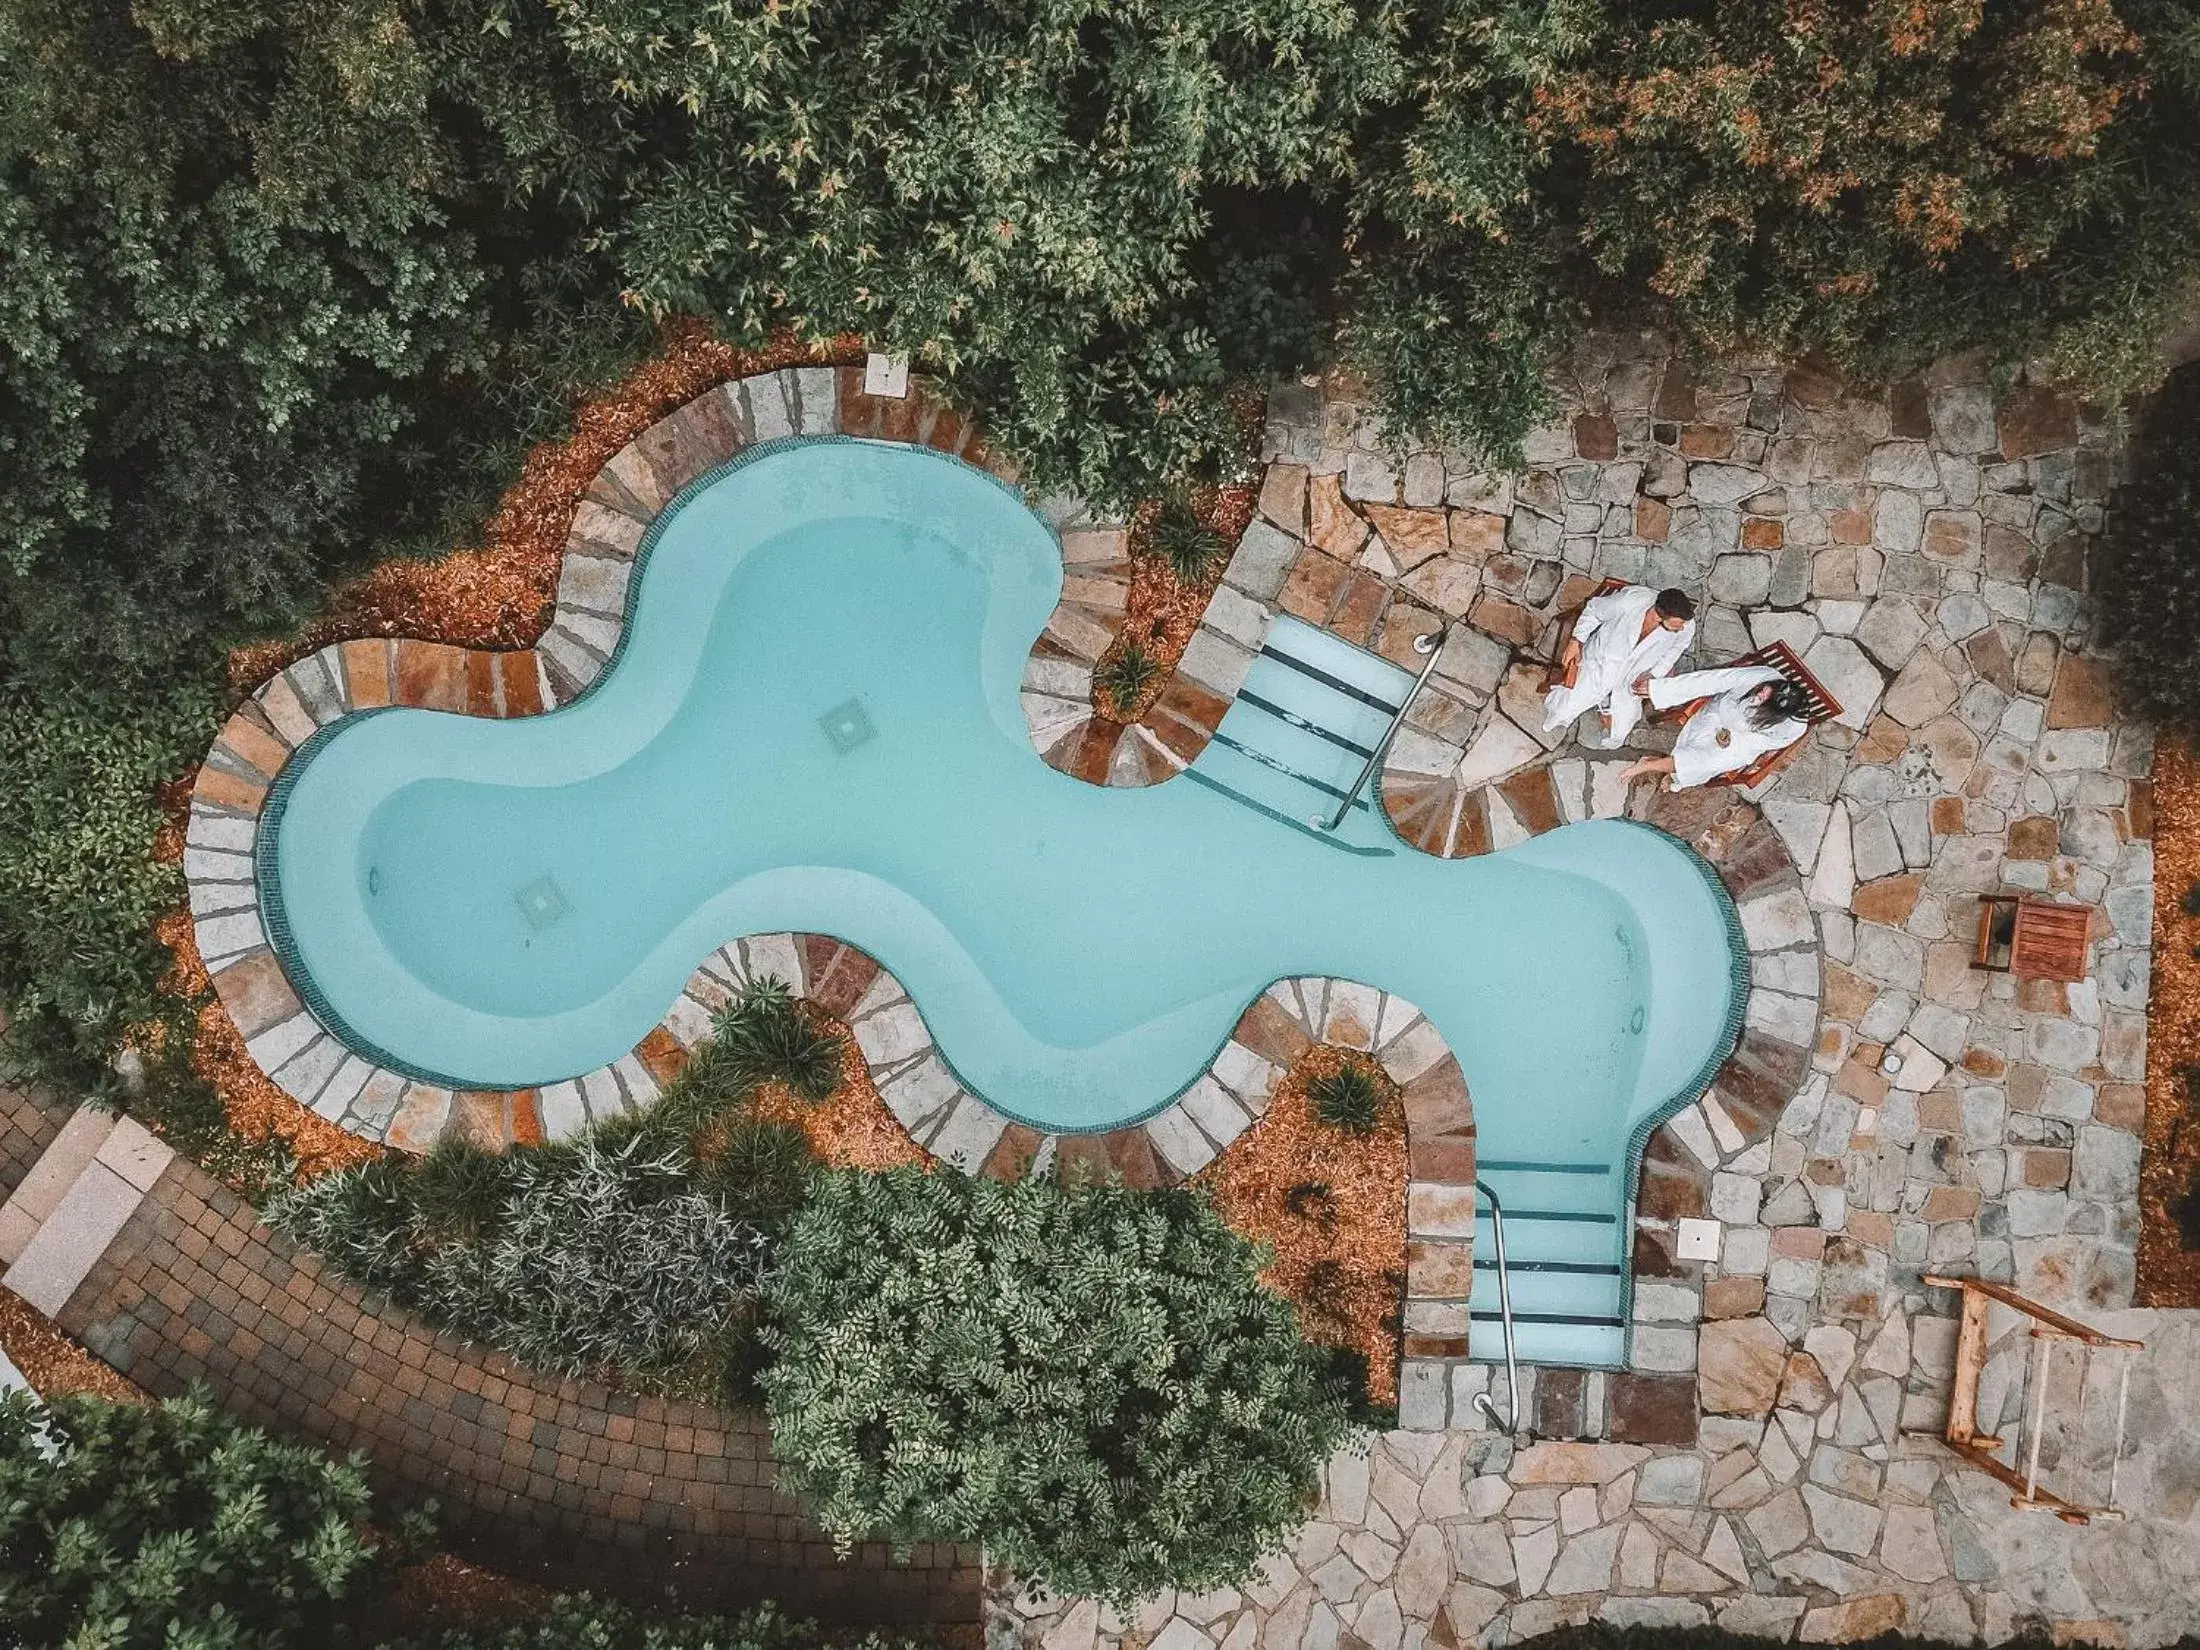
[
  {"x": 1621, "y": 643},
  {"x": 1747, "y": 711}
]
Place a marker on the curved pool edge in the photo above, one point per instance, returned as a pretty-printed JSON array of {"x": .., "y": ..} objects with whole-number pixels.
[{"x": 1668, "y": 1160}]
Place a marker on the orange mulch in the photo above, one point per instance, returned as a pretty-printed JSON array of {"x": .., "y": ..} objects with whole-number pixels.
[
  {"x": 851, "y": 1127},
  {"x": 1164, "y": 611},
  {"x": 1340, "y": 1252},
  {"x": 56, "y": 1366},
  {"x": 2169, "y": 1273}
]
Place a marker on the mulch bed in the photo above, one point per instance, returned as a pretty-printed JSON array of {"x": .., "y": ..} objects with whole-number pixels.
[
  {"x": 2169, "y": 1271},
  {"x": 1164, "y": 611},
  {"x": 1332, "y": 1206},
  {"x": 56, "y": 1366}
]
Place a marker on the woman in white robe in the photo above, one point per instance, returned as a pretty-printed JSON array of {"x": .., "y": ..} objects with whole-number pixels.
[
  {"x": 1621, "y": 643},
  {"x": 1748, "y": 711}
]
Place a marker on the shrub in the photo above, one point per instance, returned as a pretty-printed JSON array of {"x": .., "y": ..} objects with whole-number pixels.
[
  {"x": 1347, "y": 1098},
  {"x": 1091, "y": 1381},
  {"x": 581, "y": 1623},
  {"x": 1123, "y": 675},
  {"x": 574, "y": 1259},
  {"x": 2148, "y": 563},
  {"x": 154, "y": 1528},
  {"x": 638, "y": 1247}
]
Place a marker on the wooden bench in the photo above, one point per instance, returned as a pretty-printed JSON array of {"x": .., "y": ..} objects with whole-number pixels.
[{"x": 1824, "y": 707}]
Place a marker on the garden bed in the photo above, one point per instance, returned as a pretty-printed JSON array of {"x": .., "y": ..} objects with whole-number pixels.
[
  {"x": 2169, "y": 1178},
  {"x": 1332, "y": 1206}
]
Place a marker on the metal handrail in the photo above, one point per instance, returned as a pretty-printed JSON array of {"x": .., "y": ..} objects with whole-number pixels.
[
  {"x": 1482, "y": 1400},
  {"x": 1432, "y": 645}
]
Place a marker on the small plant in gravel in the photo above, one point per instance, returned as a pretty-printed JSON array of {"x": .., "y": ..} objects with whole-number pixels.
[
  {"x": 1123, "y": 676},
  {"x": 1186, "y": 543},
  {"x": 1313, "y": 1200},
  {"x": 171, "y": 1527},
  {"x": 1092, "y": 1381},
  {"x": 767, "y": 1036},
  {"x": 1348, "y": 1099}
]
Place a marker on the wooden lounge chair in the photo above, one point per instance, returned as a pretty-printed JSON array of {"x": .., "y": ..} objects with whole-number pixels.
[{"x": 1824, "y": 707}]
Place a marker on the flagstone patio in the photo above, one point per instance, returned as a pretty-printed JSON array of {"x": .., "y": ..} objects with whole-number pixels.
[{"x": 1923, "y": 548}]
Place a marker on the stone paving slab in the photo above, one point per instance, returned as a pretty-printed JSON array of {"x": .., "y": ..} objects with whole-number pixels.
[{"x": 70, "y": 1240}]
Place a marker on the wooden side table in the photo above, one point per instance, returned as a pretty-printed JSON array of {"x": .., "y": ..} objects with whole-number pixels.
[{"x": 2034, "y": 939}]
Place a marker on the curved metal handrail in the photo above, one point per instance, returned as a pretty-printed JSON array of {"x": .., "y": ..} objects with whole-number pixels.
[
  {"x": 1433, "y": 645},
  {"x": 1482, "y": 1400}
]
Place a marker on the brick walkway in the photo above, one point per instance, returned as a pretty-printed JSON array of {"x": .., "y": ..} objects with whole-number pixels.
[
  {"x": 27, "y": 1128},
  {"x": 561, "y": 1481}
]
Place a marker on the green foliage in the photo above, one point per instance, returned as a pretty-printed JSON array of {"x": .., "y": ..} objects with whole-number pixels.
[
  {"x": 1091, "y": 1381},
  {"x": 1187, "y": 544},
  {"x": 1347, "y": 1099},
  {"x": 1010, "y": 194},
  {"x": 766, "y": 1036},
  {"x": 638, "y": 1247},
  {"x": 1125, "y": 673},
  {"x": 581, "y": 1623},
  {"x": 171, "y": 1527},
  {"x": 78, "y": 961},
  {"x": 574, "y": 1259},
  {"x": 1971, "y": 176},
  {"x": 2147, "y": 569}
]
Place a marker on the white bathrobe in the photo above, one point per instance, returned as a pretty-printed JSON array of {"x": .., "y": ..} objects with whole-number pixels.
[
  {"x": 1722, "y": 737},
  {"x": 1614, "y": 656}
]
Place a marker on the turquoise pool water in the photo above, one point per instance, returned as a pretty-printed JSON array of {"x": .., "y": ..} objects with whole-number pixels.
[{"x": 815, "y": 725}]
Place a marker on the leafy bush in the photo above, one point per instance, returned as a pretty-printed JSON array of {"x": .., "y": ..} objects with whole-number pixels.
[
  {"x": 159, "y": 1527},
  {"x": 79, "y": 891},
  {"x": 1091, "y": 1381},
  {"x": 1347, "y": 1098},
  {"x": 574, "y": 1259},
  {"x": 581, "y": 1623},
  {"x": 2147, "y": 580},
  {"x": 639, "y": 1247}
]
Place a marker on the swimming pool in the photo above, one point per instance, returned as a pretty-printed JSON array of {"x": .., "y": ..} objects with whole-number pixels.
[{"x": 813, "y": 724}]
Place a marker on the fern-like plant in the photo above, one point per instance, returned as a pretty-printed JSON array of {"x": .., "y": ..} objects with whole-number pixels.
[
  {"x": 1347, "y": 1099},
  {"x": 1124, "y": 674},
  {"x": 1187, "y": 544}
]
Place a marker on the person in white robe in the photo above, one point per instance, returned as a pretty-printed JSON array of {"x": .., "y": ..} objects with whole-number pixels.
[
  {"x": 1748, "y": 710},
  {"x": 1621, "y": 644}
]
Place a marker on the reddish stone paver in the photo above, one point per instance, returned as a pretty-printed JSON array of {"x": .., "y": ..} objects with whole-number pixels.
[{"x": 565, "y": 1482}]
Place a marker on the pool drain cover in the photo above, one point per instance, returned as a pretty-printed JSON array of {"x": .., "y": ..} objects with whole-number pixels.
[
  {"x": 847, "y": 726},
  {"x": 542, "y": 902}
]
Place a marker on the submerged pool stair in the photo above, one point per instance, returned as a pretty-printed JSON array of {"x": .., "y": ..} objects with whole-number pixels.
[
  {"x": 1564, "y": 1249},
  {"x": 1308, "y": 717}
]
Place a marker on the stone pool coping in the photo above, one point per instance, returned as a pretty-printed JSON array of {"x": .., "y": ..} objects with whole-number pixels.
[{"x": 309, "y": 1058}]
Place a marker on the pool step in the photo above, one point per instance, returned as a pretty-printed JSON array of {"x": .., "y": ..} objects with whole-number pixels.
[
  {"x": 1565, "y": 1248},
  {"x": 1309, "y": 714}
]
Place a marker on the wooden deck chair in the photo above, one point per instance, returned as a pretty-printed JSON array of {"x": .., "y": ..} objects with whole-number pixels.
[
  {"x": 1566, "y": 623},
  {"x": 1824, "y": 707}
]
